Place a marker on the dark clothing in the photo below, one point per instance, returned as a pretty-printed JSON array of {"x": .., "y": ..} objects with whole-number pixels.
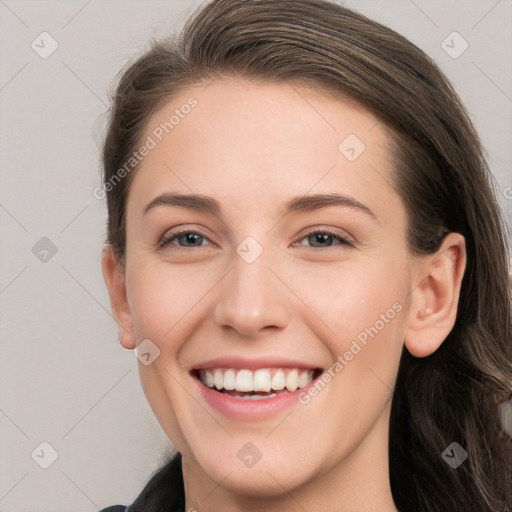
[{"x": 163, "y": 492}]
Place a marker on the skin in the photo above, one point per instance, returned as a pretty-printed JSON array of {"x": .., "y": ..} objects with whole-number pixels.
[{"x": 254, "y": 146}]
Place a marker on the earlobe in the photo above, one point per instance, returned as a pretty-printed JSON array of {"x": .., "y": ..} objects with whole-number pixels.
[
  {"x": 435, "y": 296},
  {"x": 114, "y": 275}
]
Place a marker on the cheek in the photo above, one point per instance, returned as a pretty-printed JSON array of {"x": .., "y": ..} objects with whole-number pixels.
[
  {"x": 353, "y": 300},
  {"x": 361, "y": 312},
  {"x": 163, "y": 299},
  {"x": 362, "y": 309}
]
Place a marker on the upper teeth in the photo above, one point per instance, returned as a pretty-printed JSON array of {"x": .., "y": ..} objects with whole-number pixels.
[{"x": 264, "y": 379}]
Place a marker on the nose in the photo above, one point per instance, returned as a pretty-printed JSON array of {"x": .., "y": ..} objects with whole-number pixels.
[{"x": 252, "y": 298}]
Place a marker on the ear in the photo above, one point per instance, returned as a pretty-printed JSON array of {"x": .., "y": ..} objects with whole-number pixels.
[
  {"x": 114, "y": 275},
  {"x": 434, "y": 300}
]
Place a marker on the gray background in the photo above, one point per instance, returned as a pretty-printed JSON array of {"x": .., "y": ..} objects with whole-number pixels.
[{"x": 65, "y": 379}]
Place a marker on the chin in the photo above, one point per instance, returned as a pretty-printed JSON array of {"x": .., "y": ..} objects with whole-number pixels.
[{"x": 269, "y": 476}]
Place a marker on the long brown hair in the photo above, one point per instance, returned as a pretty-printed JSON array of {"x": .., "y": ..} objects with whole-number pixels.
[{"x": 441, "y": 175}]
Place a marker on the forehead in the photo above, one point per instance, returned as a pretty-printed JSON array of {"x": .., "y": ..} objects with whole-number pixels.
[{"x": 255, "y": 144}]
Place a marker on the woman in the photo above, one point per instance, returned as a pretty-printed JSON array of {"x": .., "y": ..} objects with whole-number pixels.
[{"x": 305, "y": 248}]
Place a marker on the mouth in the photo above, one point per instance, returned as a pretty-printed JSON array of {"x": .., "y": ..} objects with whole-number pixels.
[{"x": 256, "y": 384}]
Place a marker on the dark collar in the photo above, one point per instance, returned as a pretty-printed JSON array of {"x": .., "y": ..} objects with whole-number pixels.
[{"x": 165, "y": 489}]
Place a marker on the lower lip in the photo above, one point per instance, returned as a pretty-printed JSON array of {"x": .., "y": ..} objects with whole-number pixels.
[{"x": 249, "y": 409}]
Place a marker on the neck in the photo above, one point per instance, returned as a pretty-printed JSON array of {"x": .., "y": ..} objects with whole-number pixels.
[{"x": 360, "y": 481}]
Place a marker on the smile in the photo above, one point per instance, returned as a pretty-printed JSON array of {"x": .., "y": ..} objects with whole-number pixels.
[{"x": 263, "y": 383}]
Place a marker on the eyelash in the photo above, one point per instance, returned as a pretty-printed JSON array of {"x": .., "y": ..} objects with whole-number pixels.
[{"x": 173, "y": 236}]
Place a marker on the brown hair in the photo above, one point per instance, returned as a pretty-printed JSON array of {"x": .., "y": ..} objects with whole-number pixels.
[{"x": 440, "y": 173}]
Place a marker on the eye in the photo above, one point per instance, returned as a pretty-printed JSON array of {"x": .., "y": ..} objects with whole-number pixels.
[
  {"x": 325, "y": 237},
  {"x": 188, "y": 237}
]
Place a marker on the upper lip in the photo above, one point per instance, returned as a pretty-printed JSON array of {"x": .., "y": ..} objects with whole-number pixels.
[{"x": 253, "y": 363}]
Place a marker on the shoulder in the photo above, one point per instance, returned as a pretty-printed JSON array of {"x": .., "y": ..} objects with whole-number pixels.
[{"x": 115, "y": 508}]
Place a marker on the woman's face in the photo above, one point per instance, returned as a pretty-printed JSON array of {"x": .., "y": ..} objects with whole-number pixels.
[{"x": 254, "y": 283}]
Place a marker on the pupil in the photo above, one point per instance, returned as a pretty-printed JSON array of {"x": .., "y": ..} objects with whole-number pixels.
[
  {"x": 322, "y": 237},
  {"x": 191, "y": 238}
]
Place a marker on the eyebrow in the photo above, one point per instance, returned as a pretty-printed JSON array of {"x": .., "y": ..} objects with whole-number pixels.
[{"x": 306, "y": 203}]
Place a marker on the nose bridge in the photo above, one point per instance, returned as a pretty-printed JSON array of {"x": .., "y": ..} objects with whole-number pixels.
[{"x": 251, "y": 298}]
